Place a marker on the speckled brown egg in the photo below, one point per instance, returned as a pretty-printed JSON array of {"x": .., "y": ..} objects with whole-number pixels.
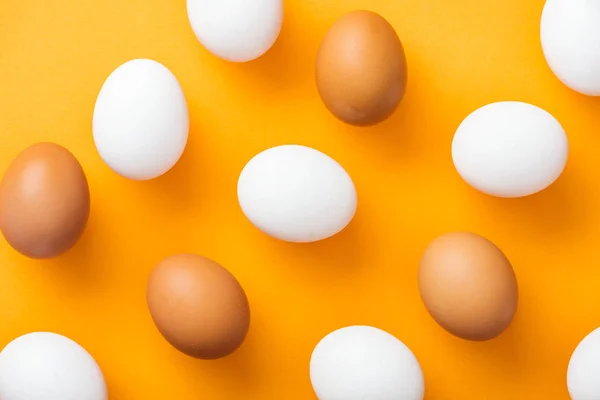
[
  {"x": 361, "y": 69},
  {"x": 198, "y": 306},
  {"x": 44, "y": 201},
  {"x": 468, "y": 286}
]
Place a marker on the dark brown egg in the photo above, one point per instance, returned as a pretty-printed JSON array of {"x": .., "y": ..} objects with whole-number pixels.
[
  {"x": 361, "y": 69},
  {"x": 468, "y": 286},
  {"x": 44, "y": 201},
  {"x": 198, "y": 306}
]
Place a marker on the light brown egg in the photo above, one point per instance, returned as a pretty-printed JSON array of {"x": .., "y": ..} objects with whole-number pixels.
[
  {"x": 468, "y": 286},
  {"x": 198, "y": 306},
  {"x": 361, "y": 69},
  {"x": 44, "y": 201}
]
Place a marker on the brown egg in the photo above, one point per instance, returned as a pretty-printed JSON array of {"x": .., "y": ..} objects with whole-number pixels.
[
  {"x": 198, "y": 306},
  {"x": 361, "y": 69},
  {"x": 468, "y": 286},
  {"x": 44, "y": 201}
]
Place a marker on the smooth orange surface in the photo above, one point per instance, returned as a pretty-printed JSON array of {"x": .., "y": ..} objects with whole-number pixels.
[{"x": 462, "y": 54}]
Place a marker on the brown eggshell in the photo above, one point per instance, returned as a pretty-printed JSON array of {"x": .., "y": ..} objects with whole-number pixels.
[
  {"x": 468, "y": 286},
  {"x": 198, "y": 306},
  {"x": 361, "y": 69},
  {"x": 44, "y": 201}
]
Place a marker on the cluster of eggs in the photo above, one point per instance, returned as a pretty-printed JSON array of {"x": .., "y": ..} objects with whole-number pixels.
[{"x": 297, "y": 194}]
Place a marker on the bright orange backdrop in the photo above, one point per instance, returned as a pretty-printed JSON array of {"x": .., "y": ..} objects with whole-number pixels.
[{"x": 462, "y": 54}]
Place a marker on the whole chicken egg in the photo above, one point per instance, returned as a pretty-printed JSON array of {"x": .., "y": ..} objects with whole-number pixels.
[
  {"x": 361, "y": 69},
  {"x": 48, "y": 366},
  {"x": 510, "y": 149},
  {"x": 296, "y": 194},
  {"x": 198, "y": 306},
  {"x": 236, "y": 30},
  {"x": 365, "y": 363},
  {"x": 468, "y": 286},
  {"x": 582, "y": 373},
  {"x": 570, "y": 36},
  {"x": 141, "y": 120},
  {"x": 44, "y": 201}
]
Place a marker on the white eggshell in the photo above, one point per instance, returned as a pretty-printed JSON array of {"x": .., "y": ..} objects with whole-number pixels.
[
  {"x": 362, "y": 362},
  {"x": 236, "y": 30},
  {"x": 510, "y": 149},
  {"x": 141, "y": 120},
  {"x": 296, "y": 194},
  {"x": 48, "y": 366},
  {"x": 584, "y": 367},
  {"x": 570, "y": 36}
]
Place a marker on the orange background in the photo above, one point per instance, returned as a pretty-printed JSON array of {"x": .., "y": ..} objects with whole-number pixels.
[{"x": 462, "y": 54}]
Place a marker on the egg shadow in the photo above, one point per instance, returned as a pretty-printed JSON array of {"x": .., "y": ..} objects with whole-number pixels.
[
  {"x": 272, "y": 68},
  {"x": 395, "y": 140},
  {"x": 241, "y": 370},
  {"x": 81, "y": 268},
  {"x": 589, "y": 105},
  {"x": 557, "y": 210},
  {"x": 173, "y": 191},
  {"x": 277, "y": 70},
  {"x": 327, "y": 260},
  {"x": 504, "y": 355}
]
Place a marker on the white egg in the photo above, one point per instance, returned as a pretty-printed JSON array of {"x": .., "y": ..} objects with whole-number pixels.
[
  {"x": 362, "y": 362},
  {"x": 48, "y": 366},
  {"x": 510, "y": 149},
  {"x": 570, "y": 35},
  {"x": 141, "y": 120},
  {"x": 236, "y": 30},
  {"x": 582, "y": 374},
  {"x": 296, "y": 194}
]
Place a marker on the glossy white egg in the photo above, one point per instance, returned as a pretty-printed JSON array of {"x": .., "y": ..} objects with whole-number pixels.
[
  {"x": 362, "y": 362},
  {"x": 296, "y": 194},
  {"x": 236, "y": 30},
  {"x": 141, "y": 120},
  {"x": 570, "y": 35},
  {"x": 582, "y": 373},
  {"x": 510, "y": 149},
  {"x": 48, "y": 366}
]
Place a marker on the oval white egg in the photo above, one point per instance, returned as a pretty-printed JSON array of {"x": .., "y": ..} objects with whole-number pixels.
[
  {"x": 510, "y": 149},
  {"x": 141, "y": 120},
  {"x": 48, "y": 366},
  {"x": 582, "y": 373},
  {"x": 570, "y": 36},
  {"x": 296, "y": 194},
  {"x": 362, "y": 362},
  {"x": 236, "y": 30}
]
